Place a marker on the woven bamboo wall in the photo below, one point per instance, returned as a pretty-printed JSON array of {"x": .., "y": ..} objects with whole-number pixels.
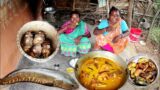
[
  {"x": 81, "y": 4},
  {"x": 64, "y": 4},
  {"x": 72, "y": 4}
]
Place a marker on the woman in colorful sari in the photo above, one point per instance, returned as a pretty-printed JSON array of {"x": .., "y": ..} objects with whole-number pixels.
[
  {"x": 74, "y": 36},
  {"x": 111, "y": 33}
]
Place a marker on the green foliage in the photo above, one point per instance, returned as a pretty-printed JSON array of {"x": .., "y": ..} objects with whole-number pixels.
[
  {"x": 157, "y": 1},
  {"x": 157, "y": 5},
  {"x": 154, "y": 35}
]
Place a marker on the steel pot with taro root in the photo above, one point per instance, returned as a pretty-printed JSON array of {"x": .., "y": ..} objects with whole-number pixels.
[
  {"x": 38, "y": 41},
  {"x": 101, "y": 70}
]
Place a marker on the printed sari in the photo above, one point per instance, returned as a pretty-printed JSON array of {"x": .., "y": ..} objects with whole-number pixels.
[{"x": 105, "y": 41}]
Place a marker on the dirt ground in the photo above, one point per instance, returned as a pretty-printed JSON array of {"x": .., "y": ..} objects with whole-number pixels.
[{"x": 148, "y": 48}]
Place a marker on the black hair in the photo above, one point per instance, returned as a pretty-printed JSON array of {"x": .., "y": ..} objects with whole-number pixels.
[
  {"x": 113, "y": 9},
  {"x": 75, "y": 12}
]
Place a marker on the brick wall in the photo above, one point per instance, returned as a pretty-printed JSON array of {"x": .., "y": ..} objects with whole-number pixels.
[{"x": 13, "y": 14}]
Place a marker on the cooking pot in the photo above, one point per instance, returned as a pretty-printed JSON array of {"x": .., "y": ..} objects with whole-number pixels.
[{"x": 102, "y": 54}]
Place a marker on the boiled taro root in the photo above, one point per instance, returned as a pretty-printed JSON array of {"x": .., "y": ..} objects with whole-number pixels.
[
  {"x": 46, "y": 48},
  {"x": 36, "y": 51},
  {"x": 27, "y": 41},
  {"x": 39, "y": 38}
]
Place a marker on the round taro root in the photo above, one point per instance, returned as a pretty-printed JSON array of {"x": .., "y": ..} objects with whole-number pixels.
[
  {"x": 46, "y": 48},
  {"x": 39, "y": 38},
  {"x": 36, "y": 51},
  {"x": 27, "y": 41}
]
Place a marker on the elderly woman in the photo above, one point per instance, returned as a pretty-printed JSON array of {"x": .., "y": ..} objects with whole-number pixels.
[
  {"x": 111, "y": 33},
  {"x": 74, "y": 36}
]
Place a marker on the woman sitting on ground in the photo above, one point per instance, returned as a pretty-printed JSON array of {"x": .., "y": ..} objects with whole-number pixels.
[
  {"x": 111, "y": 33},
  {"x": 74, "y": 36}
]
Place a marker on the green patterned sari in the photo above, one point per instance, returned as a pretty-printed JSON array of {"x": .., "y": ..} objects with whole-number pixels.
[{"x": 68, "y": 45}]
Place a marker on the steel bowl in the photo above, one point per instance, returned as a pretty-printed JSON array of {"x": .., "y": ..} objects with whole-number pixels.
[
  {"x": 103, "y": 54},
  {"x": 135, "y": 59},
  {"x": 49, "y": 9},
  {"x": 50, "y": 32}
]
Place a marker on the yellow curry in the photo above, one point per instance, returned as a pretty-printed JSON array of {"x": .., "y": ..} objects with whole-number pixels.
[{"x": 101, "y": 74}]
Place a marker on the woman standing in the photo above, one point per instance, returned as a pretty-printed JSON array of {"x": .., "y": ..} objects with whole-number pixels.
[
  {"x": 74, "y": 36},
  {"x": 111, "y": 33}
]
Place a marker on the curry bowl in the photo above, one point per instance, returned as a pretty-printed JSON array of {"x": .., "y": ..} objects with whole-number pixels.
[
  {"x": 143, "y": 71},
  {"x": 31, "y": 30},
  {"x": 100, "y": 70}
]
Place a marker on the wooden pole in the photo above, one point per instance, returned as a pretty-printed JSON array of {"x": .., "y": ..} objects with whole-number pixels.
[
  {"x": 74, "y": 3},
  {"x": 130, "y": 10},
  {"x": 108, "y": 8}
]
